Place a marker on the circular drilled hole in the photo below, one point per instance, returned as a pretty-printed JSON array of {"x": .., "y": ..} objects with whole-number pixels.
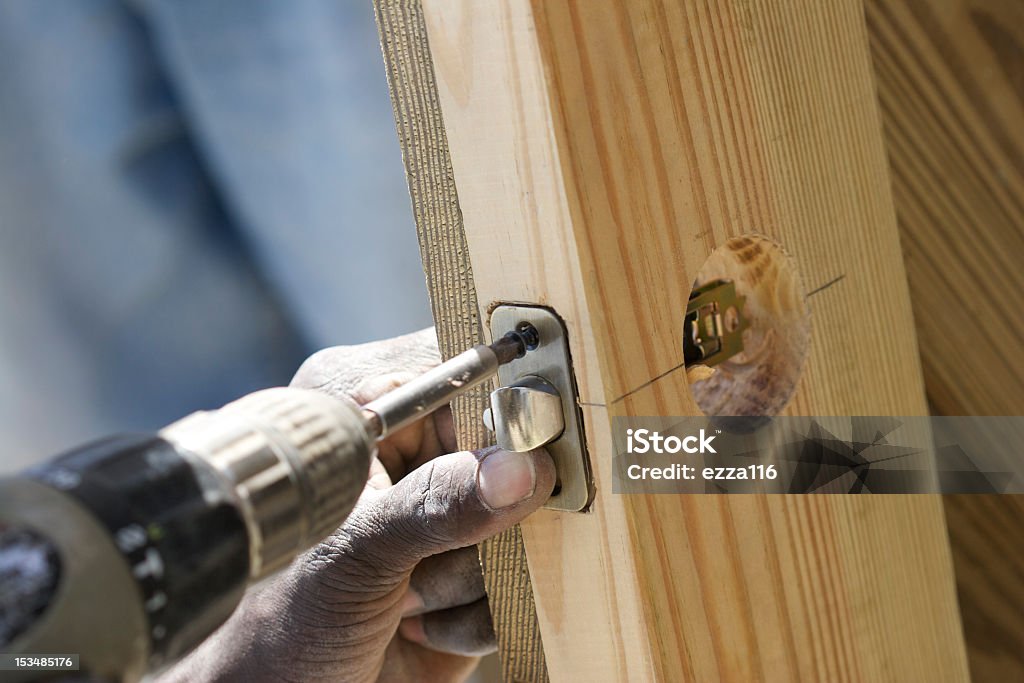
[{"x": 761, "y": 379}]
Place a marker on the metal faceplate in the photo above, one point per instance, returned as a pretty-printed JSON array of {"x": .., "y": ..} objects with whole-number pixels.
[{"x": 550, "y": 361}]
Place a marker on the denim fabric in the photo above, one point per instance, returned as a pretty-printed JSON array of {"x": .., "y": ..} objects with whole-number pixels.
[{"x": 194, "y": 194}]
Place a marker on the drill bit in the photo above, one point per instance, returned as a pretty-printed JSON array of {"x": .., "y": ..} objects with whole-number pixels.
[{"x": 437, "y": 387}]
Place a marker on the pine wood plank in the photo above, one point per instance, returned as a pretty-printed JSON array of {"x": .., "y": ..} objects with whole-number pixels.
[
  {"x": 600, "y": 154},
  {"x": 951, "y": 91}
]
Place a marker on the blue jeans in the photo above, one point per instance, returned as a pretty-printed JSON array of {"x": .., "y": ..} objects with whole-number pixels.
[{"x": 194, "y": 194}]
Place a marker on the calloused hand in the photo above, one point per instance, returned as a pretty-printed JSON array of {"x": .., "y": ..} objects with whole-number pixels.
[{"x": 396, "y": 593}]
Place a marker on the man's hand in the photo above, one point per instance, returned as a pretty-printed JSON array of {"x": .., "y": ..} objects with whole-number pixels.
[{"x": 396, "y": 593}]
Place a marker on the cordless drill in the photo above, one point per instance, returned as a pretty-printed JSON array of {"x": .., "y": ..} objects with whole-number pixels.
[{"x": 131, "y": 550}]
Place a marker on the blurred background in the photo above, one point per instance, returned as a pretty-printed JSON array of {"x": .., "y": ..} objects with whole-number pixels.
[{"x": 194, "y": 196}]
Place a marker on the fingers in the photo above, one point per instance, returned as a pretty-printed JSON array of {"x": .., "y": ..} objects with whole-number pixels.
[
  {"x": 446, "y": 609},
  {"x": 457, "y": 500},
  {"x": 444, "y": 425},
  {"x": 341, "y": 370},
  {"x": 410, "y": 662},
  {"x": 443, "y": 581},
  {"x": 465, "y": 630},
  {"x": 367, "y": 371},
  {"x": 412, "y": 445}
]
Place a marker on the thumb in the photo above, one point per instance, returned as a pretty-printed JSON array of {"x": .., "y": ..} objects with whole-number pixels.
[{"x": 461, "y": 499}]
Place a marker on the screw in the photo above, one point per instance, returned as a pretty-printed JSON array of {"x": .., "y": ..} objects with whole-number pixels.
[
  {"x": 530, "y": 335},
  {"x": 516, "y": 343}
]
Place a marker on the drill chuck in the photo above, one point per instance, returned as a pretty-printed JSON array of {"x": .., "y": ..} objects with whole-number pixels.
[{"x": 295, "y": 461}]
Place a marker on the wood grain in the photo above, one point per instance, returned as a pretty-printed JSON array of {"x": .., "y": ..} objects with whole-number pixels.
[
  {"x": 986, "y": 537},
  {"x": 453, "y": 299},
  {"x": 951, "y": 90},
  {"x": 601, "y": 151}
]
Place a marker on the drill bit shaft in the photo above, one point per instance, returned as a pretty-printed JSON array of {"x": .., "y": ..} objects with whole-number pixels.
[{"x": 437, "y": 387}]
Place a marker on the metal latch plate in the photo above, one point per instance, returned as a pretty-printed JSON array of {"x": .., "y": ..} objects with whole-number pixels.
[
  {"x": 714, "y": 324},
  {"x": 551, "y": 361}
]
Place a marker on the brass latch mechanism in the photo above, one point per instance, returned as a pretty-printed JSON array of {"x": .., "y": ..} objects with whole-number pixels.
[{"x": 714, "y": 324}]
